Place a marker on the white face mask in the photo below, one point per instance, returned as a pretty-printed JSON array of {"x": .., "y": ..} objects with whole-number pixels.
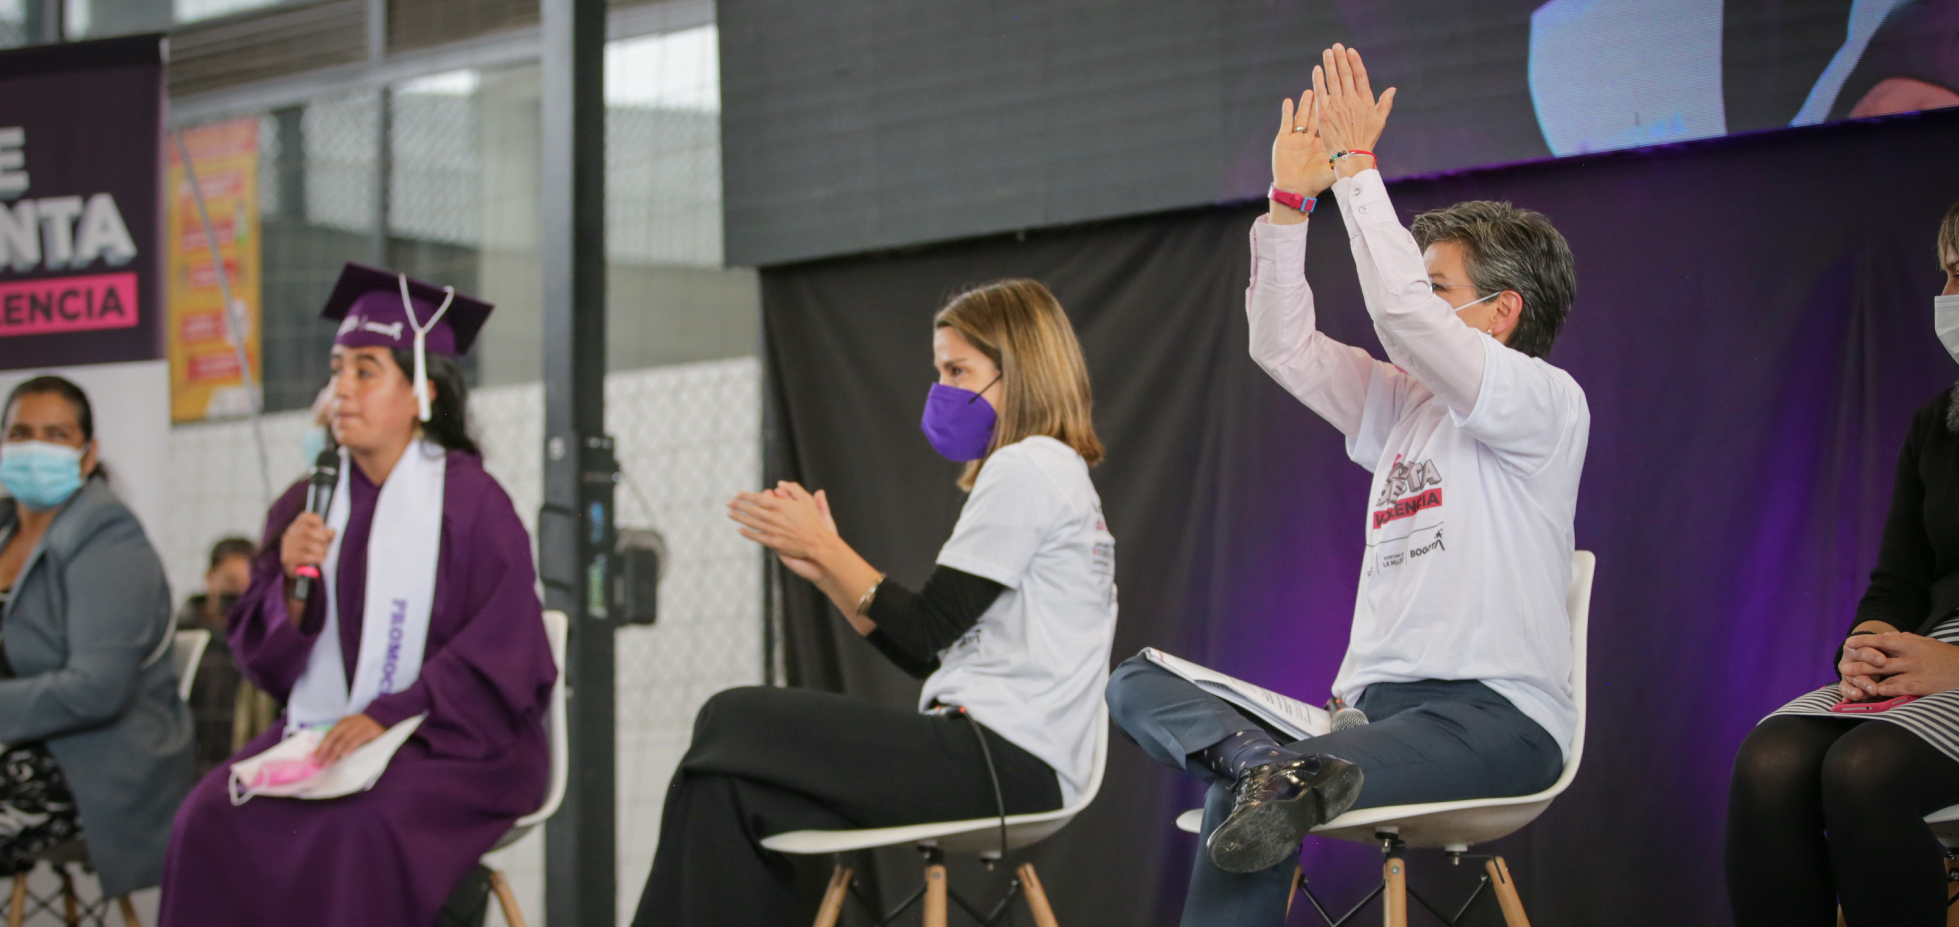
[
  {"x": 1485, "y": 299},
  {"x": 1945, "y": 321}
]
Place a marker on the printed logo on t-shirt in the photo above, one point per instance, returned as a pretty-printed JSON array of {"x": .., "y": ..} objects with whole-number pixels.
[
  {"x": 967, "y": 641},
  {"x": 1405, "y": 521},
  {"x": 1409, "y": 487}
]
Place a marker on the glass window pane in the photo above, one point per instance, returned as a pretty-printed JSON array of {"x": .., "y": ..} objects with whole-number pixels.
[
  {"x": 316, "y": 173},
  {"x": 188, "y": 11},
  {"x": 670, "y": 299}
]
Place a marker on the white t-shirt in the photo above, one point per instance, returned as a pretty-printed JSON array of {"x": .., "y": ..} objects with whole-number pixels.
[
  {"x": 1476, "y": 451},
  {"x": 1034, "y": 666},
  {"x": 1469, "y": 537}
]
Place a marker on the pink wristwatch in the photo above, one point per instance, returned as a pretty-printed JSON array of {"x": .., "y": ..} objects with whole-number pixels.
[{"x": 1295, "y": 201}]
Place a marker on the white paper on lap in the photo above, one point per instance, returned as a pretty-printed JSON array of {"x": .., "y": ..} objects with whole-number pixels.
[
  {"x": 356, "y": 772},
  {"x": 1290, "y": 715}
]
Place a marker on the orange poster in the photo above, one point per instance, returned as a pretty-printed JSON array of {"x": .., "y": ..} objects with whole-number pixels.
[{"x": 204, "y": 374}]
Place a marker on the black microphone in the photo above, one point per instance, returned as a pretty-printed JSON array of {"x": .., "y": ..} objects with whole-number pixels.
[{"x": 319, "y": 495}]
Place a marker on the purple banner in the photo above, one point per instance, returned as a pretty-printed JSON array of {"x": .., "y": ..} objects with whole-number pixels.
[{"x": 79, "y": 140}]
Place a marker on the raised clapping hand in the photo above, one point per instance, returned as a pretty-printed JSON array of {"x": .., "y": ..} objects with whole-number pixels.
[
  {"x": 1350, "y": 118},
  {"x": 1299, "y": 162},
  {"x": 790, "y": 521},
  {"x": 1910, "y": 664}
]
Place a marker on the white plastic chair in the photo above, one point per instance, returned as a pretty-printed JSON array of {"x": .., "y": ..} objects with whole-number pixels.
[
  {"x": 186, "y": 655},
  {"x": 1945, "y": 826},
  {"x": 1454, "y": 826},
  {"x": 979, "y": 836},
  {"x": 556, "y": 626}
]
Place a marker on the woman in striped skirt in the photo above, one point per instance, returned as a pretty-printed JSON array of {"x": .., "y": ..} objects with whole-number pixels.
[{"x": 1827, "y": 807}]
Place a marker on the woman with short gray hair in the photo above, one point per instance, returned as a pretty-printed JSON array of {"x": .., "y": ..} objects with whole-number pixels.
[
  {"x": 1460, "y": 654},
  {"x": 97, "y": 740}
]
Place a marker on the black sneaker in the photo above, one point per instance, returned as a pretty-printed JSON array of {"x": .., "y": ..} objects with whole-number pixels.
[{"x": 1274, "y": 807}]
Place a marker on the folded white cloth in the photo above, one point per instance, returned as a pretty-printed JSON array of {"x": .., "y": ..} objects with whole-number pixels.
[{"x": 271, "y": 772}]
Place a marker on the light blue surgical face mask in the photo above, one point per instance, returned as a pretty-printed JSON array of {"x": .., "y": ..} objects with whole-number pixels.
[
  {"x": 311, "y": 444},
  {"x": 40, "y": 475}
]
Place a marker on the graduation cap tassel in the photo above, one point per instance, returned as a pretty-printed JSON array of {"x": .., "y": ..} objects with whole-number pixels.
[{"x": 421, "y": 342}]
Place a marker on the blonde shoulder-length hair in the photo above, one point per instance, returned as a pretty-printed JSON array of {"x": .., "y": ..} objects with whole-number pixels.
[{"x": 1021, "y": 327}]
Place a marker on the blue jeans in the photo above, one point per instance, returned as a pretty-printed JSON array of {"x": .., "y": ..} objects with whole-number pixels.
[{"x": 1434, "y": 740}]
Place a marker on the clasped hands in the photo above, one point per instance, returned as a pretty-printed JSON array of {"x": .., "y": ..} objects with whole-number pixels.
[
  {"x": 791, "y": 521},
  {"x": 1339, "y": 114},
  {"x": 1894, "y": 663}
]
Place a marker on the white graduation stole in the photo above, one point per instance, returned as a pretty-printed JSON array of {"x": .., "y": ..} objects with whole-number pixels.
[{"x": 402, "y": 551}]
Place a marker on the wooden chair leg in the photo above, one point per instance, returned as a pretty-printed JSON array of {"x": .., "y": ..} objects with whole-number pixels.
[
  {"x": 17, "y": 909},
  {"x": 1298, "y": 875},
  {"x": 1951, "y": 889},
  {"x": 1506, "y": 892},
  {"x": 1394, "y": 900},
  {"x": 506, "y": 899},
  {"x": 70, "y": 905},
  {"x": 833, "y": 897},
  {"x": 128, "y": 909},
  {"x": 935, "y": 900},
  {"x": 1037, "y": 897}
]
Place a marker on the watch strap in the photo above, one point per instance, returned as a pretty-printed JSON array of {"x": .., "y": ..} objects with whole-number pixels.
[{"x": 1295, "y": 201}]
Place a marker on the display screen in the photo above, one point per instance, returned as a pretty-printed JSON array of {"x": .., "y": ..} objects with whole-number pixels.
[{"x": 857, "y": 125}]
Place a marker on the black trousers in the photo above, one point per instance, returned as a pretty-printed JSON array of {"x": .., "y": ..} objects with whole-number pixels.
[
  {"x": 37, "y": 811},
  {"x": 766, "y": 761},
  {"x": 1823, "y": 811}
]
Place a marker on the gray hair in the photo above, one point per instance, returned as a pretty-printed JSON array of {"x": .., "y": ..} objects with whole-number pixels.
[{"x": 1506, "y": 248}]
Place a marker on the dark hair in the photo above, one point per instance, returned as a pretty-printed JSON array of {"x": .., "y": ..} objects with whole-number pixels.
[
  {"x": 49, "y": 383},
  {"x": 448, "y": 423},
  {"x": 231, "y": 547},
  {"x": 1948, "y": 235},
  {"x": 1506, "y": 248}
]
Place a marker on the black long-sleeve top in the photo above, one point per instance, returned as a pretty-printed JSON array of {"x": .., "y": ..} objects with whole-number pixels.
[
  {"x": 913, "y": 627},
  {"x": 1916, "y": 582}
]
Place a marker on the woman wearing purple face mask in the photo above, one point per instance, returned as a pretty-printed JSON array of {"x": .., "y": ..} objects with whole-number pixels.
[{"x": 1014, "y": 626}]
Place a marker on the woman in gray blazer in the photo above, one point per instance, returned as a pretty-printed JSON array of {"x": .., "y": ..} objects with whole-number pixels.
[{"x": 96, "y": 740}]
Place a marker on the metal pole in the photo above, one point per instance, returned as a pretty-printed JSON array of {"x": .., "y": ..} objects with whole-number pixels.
[
  {"x": 576, "y": 533},
  {"x": 234, "y": 320},
  {"x": 384, "y": 170},
  {"x": 380, "y": 195},
  {"x": 45, "y": 21}
]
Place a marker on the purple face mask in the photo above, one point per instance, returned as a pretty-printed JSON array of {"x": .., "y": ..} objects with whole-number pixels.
[{"x": 958, "y": 422}]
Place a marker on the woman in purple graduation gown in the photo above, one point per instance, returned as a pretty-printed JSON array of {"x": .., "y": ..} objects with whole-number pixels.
[{"x": 426, "y": 607}]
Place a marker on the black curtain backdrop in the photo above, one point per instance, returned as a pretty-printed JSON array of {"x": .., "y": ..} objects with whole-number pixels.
[{"x": 1753, "y": 330}]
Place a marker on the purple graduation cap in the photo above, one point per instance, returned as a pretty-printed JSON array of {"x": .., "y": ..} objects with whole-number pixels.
[{"x": 380, "y": 308}]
